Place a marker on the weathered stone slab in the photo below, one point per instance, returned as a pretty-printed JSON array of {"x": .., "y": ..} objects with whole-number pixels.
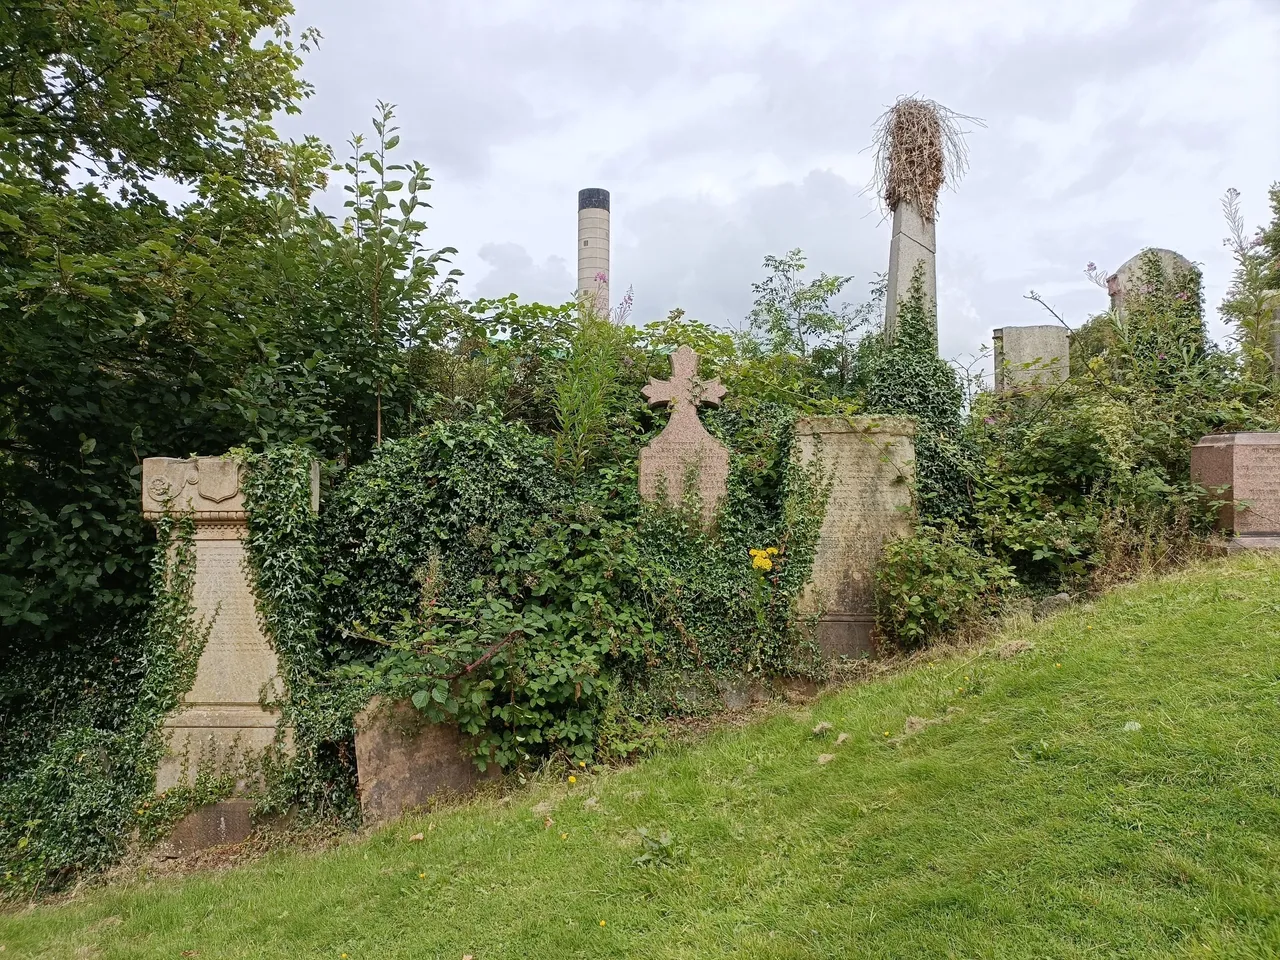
[
  {"x": 684, "y": 451},
  {"x": 403, "y": 761},
  {"x": 213, "y": 825},
  {"x": 1245, "y": 467},
  {"x": 914, "y": 241},
  {"x": 871, "y": 463},
  {"x": 1030, "y": 356},
  {"x": 222, "y": 724}
]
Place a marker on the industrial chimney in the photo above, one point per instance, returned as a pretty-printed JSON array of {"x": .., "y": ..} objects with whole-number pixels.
[{"x": 593, "y": 248}]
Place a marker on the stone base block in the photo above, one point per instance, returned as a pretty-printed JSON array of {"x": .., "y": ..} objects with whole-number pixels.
[
  {"x": 1253, "y": 543},
  {"x": 850, "y": 636},
  {"x": 402, "y": 761},
  {"x": 1242, "y": 470},
  {"x": 214, "y": 825},
  {"x": 220, "y": 739}
]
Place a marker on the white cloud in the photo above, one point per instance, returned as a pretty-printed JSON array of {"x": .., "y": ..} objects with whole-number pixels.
[{"x": 728, "y": 129}]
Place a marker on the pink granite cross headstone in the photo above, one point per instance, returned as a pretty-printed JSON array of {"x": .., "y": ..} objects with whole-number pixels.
[{"x": 684, "y": 449}]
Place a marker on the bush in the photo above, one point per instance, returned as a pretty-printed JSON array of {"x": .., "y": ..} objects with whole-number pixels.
[{"x": 934, "y": 583}]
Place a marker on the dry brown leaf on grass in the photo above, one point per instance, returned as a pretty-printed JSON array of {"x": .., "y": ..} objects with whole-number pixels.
[
  {"x": 416, "y": 837},
  {"x": 821, "y": 728},
  {"x": 826, "y": 757},
  {"x": 841, "y": 739}
]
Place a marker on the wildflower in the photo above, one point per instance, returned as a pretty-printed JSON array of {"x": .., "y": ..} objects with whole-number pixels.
[
  {"x": 762, "y": 562},
  {"x": 572, "y": 778},
  {"x": 602, "y": 923},
  {"x": 582, "y": 764},
  {"x": 564, "y": 836},
  {"x": 771, "y": 551},
  {"x": 1057, "y": 666},
  {"x": 1088, "y": 626},
  {"x": 886, "y": 733}
]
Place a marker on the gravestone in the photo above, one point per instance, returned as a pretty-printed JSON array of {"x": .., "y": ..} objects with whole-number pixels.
[
  {"x": 1243, "y": 469},
  {"x": 684, "y": 450},
  {"x": 403, "y": 760},
  {"x": 1030, "y": 356},
  {"x": 870, "y": 462},
  {"x": 1124, "y": 281},
  {"x": 221, "y": 723}
]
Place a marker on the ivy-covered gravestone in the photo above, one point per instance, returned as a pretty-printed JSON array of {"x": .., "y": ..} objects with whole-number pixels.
[
  {"x": 225, "y": 723},
  {"x": 684, "y": 454}
]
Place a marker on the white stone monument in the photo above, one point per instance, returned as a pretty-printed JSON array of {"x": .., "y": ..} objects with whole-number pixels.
[{"x": 222, "y": 721}]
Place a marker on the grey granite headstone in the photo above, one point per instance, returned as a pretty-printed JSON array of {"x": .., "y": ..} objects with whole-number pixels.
[{"x": 1030, "y": 356}]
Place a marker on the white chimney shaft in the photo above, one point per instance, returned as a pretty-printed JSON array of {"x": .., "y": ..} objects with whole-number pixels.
[{"x": 593, "y": 248}]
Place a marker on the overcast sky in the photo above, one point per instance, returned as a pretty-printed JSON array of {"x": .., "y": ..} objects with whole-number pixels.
[{"x": 726, "y": 131}]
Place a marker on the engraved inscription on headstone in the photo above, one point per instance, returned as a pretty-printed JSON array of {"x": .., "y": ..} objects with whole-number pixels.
[
  {"x": 222, "y": 721},
  {"x": 1243, "y": 470},
  {"x": 684, "y": 449},
  {"x": 870, "y": 462}
]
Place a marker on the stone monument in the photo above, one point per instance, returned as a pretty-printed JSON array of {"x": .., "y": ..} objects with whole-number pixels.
[
  {"x": 870, "y": 462},
  {"x": 222, "y": 721},
  {"x": 1030, "y": 356},
  {"x": 684, "y": 450},
  {"x": 1244, "y": 470},
  {"x": 914, "y": 243},
  {"x": 1120, "y": 283},
  {"x": 403, "y": 760}
]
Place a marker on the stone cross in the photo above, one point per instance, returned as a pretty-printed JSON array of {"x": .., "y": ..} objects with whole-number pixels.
[{"x": 684, "y": 449}]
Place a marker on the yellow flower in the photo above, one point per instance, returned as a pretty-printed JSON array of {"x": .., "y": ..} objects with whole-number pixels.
[
  {"x": 422, "y": 876},
  {"x": 602, "y": 923},
  {"x": 761, "y": 562},
  {"x": 572, "y": 778},
  {"x": 755, "y": 553},
  {"x": 564, "y": 836},
  {"x": 582, "y": 764},
  {"x": 772, "y": 551}
]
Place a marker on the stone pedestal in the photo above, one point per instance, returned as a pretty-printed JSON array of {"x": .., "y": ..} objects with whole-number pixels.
[
  {"x": 914, "y": 242},
  {"x": 403, "y": 761},
  {"x": 222, "y": 724},
  {"x": 871, "y": 463},
  {"x": 1243, "y": 469},
  {"x": 1030, "y": 356}
]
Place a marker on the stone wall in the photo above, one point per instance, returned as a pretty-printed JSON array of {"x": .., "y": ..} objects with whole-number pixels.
[{"x": 871, "y": 464}]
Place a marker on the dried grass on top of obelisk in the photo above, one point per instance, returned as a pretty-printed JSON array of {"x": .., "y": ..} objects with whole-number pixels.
[{"x": 920, "y": 148}]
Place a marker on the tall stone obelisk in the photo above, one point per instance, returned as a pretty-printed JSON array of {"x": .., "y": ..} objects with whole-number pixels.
[
  {"x": 914, "y": 242},
  {"x": 593, "y": 249}
]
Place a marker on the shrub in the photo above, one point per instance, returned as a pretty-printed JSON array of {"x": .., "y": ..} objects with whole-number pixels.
[{"x": 936, "y": 582}]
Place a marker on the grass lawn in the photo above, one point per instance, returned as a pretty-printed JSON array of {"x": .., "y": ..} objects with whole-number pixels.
[{"x": 1114, "y": 791}]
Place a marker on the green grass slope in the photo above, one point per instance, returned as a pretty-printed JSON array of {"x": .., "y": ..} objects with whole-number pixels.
[{"x": 1114, "y": 791}]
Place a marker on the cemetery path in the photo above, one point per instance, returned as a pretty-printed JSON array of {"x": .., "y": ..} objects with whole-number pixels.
[{"x": 1113, "y": 790}]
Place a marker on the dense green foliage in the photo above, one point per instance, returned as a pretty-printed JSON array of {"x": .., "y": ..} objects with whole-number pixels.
[
  {"x": 1086, "y": 482},
  {"x": 1109, "y": 792},
  {"x": 81, "y": 772}
]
